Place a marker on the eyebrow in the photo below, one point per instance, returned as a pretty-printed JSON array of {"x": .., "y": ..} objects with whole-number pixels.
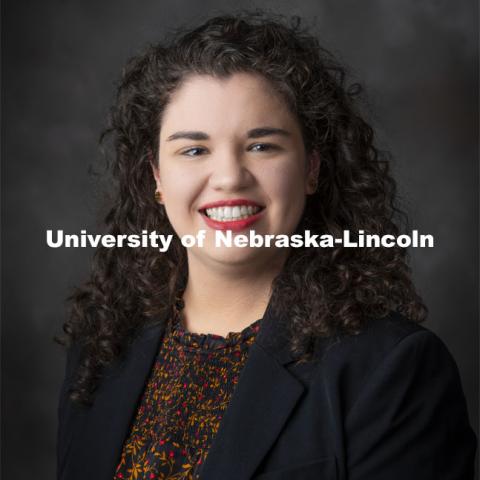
[
  {"x": 190, "y": 135},
  {"x": 254, "y": 133},
  {"x": 267, "y": 131}
]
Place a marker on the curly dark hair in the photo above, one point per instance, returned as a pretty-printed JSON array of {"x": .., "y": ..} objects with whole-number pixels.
[{"x": 325, "y": 290}]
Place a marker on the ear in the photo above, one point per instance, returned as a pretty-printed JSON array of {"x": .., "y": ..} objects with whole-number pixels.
[
  {"x": 313, "y": 169},
  {"x": 155, "y": 171}
]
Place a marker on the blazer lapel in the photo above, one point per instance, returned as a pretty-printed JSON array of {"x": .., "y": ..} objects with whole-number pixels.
[
  {"x": 263, "y": 399},
  {"x": 101, "y": 432}
]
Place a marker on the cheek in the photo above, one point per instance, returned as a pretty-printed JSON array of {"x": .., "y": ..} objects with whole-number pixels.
[
  {"x": 179, "y": 186},
  {"x": 285, "y": 187},
  {"x": 286, "y": 184}
]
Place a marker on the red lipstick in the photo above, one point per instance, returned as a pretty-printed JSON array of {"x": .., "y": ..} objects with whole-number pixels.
[
  {"x": 230, "y": 203},
  {"x": 234, "y": 225}
]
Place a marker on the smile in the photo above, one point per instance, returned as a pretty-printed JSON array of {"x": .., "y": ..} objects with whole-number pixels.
[
  {"x": 235, "y": 214},
  {"x": 227, "y": 214}
]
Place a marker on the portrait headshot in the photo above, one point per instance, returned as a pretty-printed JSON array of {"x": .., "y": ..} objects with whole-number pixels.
[{"x": 240, "y": 241}]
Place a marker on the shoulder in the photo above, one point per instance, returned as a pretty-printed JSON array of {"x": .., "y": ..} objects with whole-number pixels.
[
  {"x": 391, "y": 351},
  {"x": 396, "y": 385},
  {"x": 377, "y": 340}
]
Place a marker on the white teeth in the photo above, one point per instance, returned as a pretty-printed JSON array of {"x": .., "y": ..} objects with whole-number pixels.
[{"x": 237, "y": 212}]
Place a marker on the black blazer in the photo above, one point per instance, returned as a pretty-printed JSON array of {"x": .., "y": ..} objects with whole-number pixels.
[{"x": 386, "y": 404}]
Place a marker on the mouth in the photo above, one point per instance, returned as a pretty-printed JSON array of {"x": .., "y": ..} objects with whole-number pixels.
[
  {"x": 234, "y": 215},
  {"x": 231, "y": 213}
]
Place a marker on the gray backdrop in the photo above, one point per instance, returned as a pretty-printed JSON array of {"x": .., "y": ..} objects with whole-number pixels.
[{"x": 418, "y": 60}]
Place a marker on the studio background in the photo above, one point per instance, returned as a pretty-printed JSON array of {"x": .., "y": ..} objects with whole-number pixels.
[{"x": 60, "y": 59}]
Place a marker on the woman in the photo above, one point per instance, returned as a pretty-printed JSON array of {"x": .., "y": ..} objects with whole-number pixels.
[{"x": 239, "y": 363}]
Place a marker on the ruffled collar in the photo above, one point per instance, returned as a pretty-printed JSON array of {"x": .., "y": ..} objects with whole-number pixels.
[{"x": 211, "y": 341}]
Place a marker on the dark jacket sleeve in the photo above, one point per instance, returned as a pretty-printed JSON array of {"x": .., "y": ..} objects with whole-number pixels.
[{"x": 410, "y": 420}]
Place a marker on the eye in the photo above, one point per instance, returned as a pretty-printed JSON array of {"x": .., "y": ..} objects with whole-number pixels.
[
  {"x": 262, "y": 147},
  {"x": 193, "y": 151}
]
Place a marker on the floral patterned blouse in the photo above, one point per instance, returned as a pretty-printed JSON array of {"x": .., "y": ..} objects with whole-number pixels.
[{"x": 182, "y": 406}]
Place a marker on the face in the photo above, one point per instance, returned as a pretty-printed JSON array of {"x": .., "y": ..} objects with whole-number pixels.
[{"x": 232, "y": 157}]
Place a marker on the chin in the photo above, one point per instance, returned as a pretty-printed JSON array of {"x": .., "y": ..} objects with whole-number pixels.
[{"x": 238, "y": 256}]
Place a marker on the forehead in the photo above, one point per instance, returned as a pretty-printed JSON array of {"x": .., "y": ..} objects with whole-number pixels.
[{"x": 241, "y": 100}]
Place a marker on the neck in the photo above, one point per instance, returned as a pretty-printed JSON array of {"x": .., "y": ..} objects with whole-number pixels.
[{"x": 228, "y": 298}]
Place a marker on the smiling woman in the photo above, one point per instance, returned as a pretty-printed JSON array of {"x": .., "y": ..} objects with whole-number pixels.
[
  {"x": 253, "y": 362},
  {"x": 247, "y": 151}
]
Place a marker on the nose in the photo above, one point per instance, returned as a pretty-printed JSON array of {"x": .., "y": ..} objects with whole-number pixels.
[{"x": 229, "y": 172}]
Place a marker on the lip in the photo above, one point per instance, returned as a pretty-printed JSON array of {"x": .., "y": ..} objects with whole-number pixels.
[
  {"x": 231, "y": 203},
  {"x": 234, "y": 225}
]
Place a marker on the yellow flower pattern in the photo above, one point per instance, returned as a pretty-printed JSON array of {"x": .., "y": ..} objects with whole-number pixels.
[{"x": 189, "y": 388}]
